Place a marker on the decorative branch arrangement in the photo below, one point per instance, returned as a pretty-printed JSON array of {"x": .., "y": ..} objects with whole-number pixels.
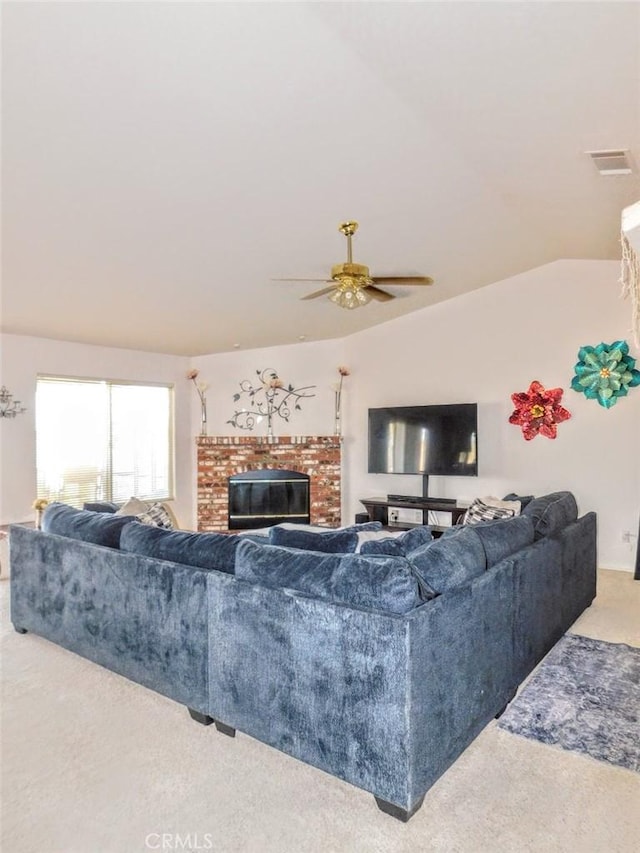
[
  {"x": 267, "y": 397},
  {"x": 40, "y": 504},
  {"x": 630, "y": 280},
  {"x": 200, "y": 387},
  {"x": 343, "y": 371}
]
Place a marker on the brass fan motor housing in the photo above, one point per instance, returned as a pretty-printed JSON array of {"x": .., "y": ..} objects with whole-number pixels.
[{"x": 358, "y": 271}]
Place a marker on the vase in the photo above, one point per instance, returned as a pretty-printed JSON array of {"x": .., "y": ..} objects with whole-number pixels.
[
  {"x": 337, "y": 427},
  {"x": 203, "y": 419}
]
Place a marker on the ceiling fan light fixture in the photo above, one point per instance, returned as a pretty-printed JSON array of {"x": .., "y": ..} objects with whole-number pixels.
[{"x": 350, "y": 292}]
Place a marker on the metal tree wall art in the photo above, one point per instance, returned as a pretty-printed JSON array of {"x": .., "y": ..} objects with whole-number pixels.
[
  {"x": 538, "y": 411},
  {"x": 605, "y": 373},
  {"x": 267, "y": 396}
]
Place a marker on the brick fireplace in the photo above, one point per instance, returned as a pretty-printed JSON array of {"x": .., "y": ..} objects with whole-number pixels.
[{"x": 220, "y": 457}]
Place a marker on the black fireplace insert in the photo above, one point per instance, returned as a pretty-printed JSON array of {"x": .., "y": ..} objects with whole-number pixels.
[{"x": 266, "y": 497}]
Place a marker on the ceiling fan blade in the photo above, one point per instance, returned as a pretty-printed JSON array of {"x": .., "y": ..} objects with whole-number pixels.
[
  {"x": 403, "y": 279},
  {"x": 318, "y": 293},
  {"x": 302, "y": 279},
  {"x": 377, "y": 294}
]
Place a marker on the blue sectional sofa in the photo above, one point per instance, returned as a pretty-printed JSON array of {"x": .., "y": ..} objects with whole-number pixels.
[{"x": 379, "y": 667}]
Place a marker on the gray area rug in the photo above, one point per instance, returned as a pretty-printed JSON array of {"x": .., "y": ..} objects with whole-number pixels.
[{"x": 584, "y": 697}]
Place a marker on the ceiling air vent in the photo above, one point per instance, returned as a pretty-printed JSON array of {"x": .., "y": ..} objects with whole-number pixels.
[{"x": 614, "y": 162}]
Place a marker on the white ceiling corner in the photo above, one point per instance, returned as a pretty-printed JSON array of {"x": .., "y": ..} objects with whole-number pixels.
[{"x": 162, "y": 162}]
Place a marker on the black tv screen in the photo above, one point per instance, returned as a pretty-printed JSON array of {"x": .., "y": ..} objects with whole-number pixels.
[{"x": 439, "y": 440}]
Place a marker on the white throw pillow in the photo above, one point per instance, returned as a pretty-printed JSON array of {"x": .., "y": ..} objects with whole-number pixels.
[{"x": 134, "y": 506}]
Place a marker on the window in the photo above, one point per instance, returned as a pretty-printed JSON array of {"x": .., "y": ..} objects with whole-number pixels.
[{"x": 103, "y": 440}]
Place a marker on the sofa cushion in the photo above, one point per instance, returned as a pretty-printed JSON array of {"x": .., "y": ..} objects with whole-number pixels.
[
  {"x": 393, "y": 544},
  {"x": 344, "y": 541},
  {"x": 101, "y": 506},
  {"x": 204, "y": 550},
  {"x": 315, "y": 528},
  {"x": 99, "y": 528},
  {"x": 450, "y": 561},
  {"x": 379, "y": 583},
  {"x": 502, "y": 538},
  {"x": 551, "y": 513}
]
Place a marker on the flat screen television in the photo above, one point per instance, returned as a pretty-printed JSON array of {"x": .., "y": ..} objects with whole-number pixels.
[{"x": 441, "y": 440}]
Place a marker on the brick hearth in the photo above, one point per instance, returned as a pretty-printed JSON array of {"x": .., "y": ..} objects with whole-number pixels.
[{"x": 219, "y": 457}]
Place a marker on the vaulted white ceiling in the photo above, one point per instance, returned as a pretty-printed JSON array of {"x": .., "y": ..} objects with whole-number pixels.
[{"x": 163, "y": 161}]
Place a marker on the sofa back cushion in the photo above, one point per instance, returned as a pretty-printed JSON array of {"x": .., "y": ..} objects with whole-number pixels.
[
  {"x": 450, "y": 561},
  {"x": 393, "y": 544},
  {"x": 551, "y": 513},
  {"x": 99, "y": 528},
  {"x": 500, "y": 539},
  {"x": 331, "y": 542},
  {"x": 378, "y": 583},
  {"x": 204, "y": 550},
  {"x": 344, "y": 540},
  {"x": 101, "y": 506}
]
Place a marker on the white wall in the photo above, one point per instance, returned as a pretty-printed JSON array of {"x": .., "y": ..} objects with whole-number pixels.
[
  {"x": 483, "y": 347},
  {"x": 479, "y": 347},
  {"x": 307, "y": 363},
  {"x": 24, "y": 357}
]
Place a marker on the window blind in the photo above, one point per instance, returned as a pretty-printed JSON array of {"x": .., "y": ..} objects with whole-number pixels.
[{"x": 99, "y": 439}]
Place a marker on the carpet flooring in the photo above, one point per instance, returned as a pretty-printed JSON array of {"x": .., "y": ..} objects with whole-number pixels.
[
  {"x": 92, "y": 763},
  {"x": 585, "y": 697}
]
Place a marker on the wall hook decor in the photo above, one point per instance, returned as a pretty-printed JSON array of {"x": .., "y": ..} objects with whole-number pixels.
[{"x": 9, "y": 407}]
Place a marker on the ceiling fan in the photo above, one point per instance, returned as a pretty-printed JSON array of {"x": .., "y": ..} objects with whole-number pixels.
[{"x": 351, "y": 285}]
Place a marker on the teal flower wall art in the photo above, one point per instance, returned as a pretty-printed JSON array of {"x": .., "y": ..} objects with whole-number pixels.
[{"x": 605, "y": 373}]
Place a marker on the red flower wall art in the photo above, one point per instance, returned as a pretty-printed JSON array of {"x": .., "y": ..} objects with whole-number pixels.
[{"x": 538, "y": 411}]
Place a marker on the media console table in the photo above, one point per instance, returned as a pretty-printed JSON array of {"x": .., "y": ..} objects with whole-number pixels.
[{"x": 378, "y": 510}]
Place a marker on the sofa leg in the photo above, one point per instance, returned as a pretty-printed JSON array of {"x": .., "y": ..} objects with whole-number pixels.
[
  {"x": 203, "y": 719},
  {"x": 503, "y": 709},
  {"x": 20, "y": 630},
  {"x": 224, "y": 729},
  {"x": 396, "y": 811}
]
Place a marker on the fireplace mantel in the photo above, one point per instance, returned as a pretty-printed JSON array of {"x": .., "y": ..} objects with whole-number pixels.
[{"x": 222, "y": 456}]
